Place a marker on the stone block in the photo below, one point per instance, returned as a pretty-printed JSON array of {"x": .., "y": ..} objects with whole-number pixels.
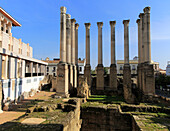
[
  {"x": 127, "y": 88},
  {"x": 62, "y": 80},
  {"x": 113, "y": 77},
  {"x": 1, "y": 97},
  {"x": 87, "y": 74},
  {"x": 100, "y": 78}
]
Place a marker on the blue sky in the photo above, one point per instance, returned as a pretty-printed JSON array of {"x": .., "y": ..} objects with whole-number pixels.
[{"x": 40, "y": 21}]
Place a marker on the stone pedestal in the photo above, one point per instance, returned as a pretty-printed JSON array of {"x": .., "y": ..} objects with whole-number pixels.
[
  {"x": 75, "y": 75},
  {"x": 149, "y": 80},
  {"x": 128, "y": 96},
  {"x": 139, "y": 79},
  {"x": 87, "y": 74},
  {"x": 113, "y": 77},
  {"x": 1, "y": 97},
  {"x": 71, "y": 78},
  {"x": 62, "y": 80},
  {"x": 100, "y": 77}
]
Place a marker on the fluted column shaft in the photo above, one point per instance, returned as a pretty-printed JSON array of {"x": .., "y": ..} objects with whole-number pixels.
[
  {"x": 100, "y": 56},
  {"x": 68, "y": 38},
  {"x": 76, "y": 43},
  {"x": 147, "y": 41},
  {"x": 113, "y": 54},
  {"x": 87, "y": 25},
  {"x": 126, "y": 41},
  {"x": 73, "y": 41},
  {"x": 139, "y": 44},
  {"x": 63, "y": 34}
]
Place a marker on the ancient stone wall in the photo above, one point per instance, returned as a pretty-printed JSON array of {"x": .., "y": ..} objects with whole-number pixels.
[{"x": 99, "y": 118}]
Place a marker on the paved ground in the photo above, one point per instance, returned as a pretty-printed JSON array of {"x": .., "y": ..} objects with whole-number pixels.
[{"x": 20, "y": 108}]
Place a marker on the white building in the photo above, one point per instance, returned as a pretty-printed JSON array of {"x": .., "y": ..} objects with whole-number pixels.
[
  {"x": 52, "y": 66},
  {"x": 133, "y": 64},
  {"x": 19, "y": 72}
]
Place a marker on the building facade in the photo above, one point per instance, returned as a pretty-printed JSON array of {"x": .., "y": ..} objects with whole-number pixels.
[
  {"x": 51, "y": 68},
  {"x": 133, "y": 65},
  {"x": 19, "y": 72}
]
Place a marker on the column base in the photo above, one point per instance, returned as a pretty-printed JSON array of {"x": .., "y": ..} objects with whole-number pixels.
[
  {"x": 100, "y": 77},
  {"x": 75, "y": 75},
  {"x": 127, "y": 88},
  {"x": 149, "y": 80},
  {"x": 113, "y": 77},
  {"x": 87, "y": 74},
  {"x": 62, "y": 80}
]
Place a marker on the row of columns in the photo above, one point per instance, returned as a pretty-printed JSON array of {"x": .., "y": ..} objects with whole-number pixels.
[
  {"x": 146, "y": 80},
  {"x": 68, "y": 38},
  {"x": 17, "y": 68},
  {"x": 100, "y": 69},
  {"x": 67, "y": 71},
  {"x": 144, "y": 37}
]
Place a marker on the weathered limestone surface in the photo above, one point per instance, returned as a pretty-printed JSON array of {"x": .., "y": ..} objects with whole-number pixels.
[
  {"x": 113, "y": 69},
  {"x": 1, "y": 97},
  {"x": 142, "y": 51},
  {"x": 76, "y": 43},
  {"x": 100, "y": 78},
  {"x": 68, "y": 38},
  {"x": 113, "y": 77},
  {"x": 63, "y": 34},
  {"x": 71, "y": 78},
  {"x": 75, "y": 76},
  {"x": 73, "y": 21},
  {"x": 62, "y": 80},
  {"x": 147, "y": 34},
  {"x": 103, "y": 119},
  {"x": 87, "y": 74},
  {"x": 149, "y": 88},
  {"x": 87, "y": 70},
  {"x": 127, "y": 88},
  {"x": 83, "y": 88},
  {"x": 100, "y": 69}
]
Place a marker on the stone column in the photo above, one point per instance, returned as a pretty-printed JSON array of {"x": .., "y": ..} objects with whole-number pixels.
[
  {"x": 126, "y": 42},
  {"x": 128, "y": 96},
  {"x": 76, "y": 43},
  {"x": 76, "y": 57},
  {"x": 139, "y": 44},
  {"x": 62, "y": 84},
  {"x": 73, "y": 41},
  {"x": 148, "y": 70},
  {"x": 36, "y": 69},
  {"x": 113, "y": 70},
  {"x": 68, "y": 38},
  {"x": 100, "y": 69},
  {"x": 100, "y": 56},
  {"x": 147, "y": 39},
  {"x": 141, "y": 30},
  {"x": 87, "y": 70},
  {"x": 63, "y": 34},
  {"x": 139, "y": 78}
]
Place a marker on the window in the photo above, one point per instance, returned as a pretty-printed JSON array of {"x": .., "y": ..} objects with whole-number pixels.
[
  {"x": 121, "y": 68},
  {"x": 47, "y": 69},
  {"x": 133, "y": 67},
  {"x": 80, "y": 69},
  {"x": 54, "y": 69},
  {"x": 53, "y": 74}
]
